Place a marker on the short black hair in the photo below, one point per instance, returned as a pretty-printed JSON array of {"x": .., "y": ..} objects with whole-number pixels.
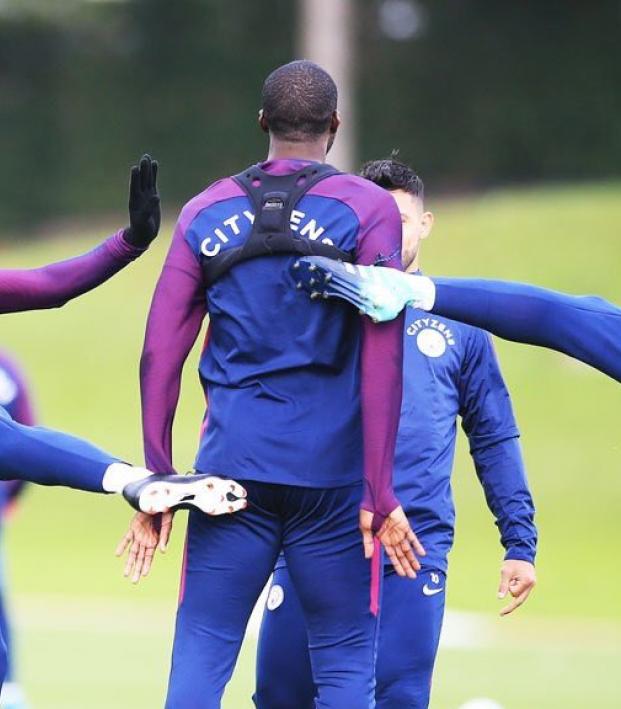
[
  {"x": 392, "y": 174},
  {"x": 298, "y": 100}
]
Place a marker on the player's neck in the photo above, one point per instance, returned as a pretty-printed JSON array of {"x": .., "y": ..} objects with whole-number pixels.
[{"x": 284, "y": 150}]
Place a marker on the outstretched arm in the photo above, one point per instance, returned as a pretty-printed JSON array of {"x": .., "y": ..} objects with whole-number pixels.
[
  {"x": 48, "y": 457},
  {"x": 54, "y": 285},
  {"x": 584, "y": 327}
]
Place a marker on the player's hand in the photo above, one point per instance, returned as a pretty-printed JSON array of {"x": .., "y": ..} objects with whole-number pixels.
[
  {"x": 397, "y": 538},
  {"x": 144, "y": 204},
  {"x": 146, "y": 533},
  {"x": 517, "y": 578}
]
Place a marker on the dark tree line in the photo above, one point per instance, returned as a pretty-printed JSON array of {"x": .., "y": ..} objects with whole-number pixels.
[{"x": 489, "y": 92}]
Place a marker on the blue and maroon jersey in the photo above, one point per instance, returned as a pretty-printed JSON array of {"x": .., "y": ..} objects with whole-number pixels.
[
  {"x": 449, "y": 371},
  {"x": 282, "y": 374},
  {"x": 16, "y": 400}
]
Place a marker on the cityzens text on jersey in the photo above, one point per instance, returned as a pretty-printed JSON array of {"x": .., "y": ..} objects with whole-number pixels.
[
  {"x": 434, "y": 324},
  {"x": 432, "y": 336},
  {"x": 230, "y": 228}
]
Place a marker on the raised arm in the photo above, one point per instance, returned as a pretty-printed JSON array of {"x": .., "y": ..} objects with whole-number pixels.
[
  {"x": 177, "y": 312},
  {"x": 54, "y": 285},
  {"x": 488, "y": 420}
]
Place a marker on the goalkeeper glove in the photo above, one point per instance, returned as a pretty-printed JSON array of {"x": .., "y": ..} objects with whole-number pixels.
[{"x": 144, "y": 204}]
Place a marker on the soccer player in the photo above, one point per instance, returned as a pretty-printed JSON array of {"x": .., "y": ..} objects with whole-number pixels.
[
  {"x": 449, "y": 370},
  {"x": 296, "y": 395},
  {"x": 15, "y": 398}
]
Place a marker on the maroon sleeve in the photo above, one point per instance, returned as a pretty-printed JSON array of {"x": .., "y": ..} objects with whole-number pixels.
[
  {"x": 381, "y": 360},
  {"x": 52, "y": 286},
  {"x": 177, "y": 312}
]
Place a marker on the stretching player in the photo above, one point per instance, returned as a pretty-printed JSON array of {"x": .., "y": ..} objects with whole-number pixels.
[
  {"x": 15, "y": 398},
  {"x": 286, "y": 393},
  {"x": 449, "y": 370}
]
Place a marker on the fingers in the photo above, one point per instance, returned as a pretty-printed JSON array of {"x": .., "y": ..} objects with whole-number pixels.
[
  {"x": 413, "y": 562},
  {"x": 154, "y": 168},
  {"x": 401, "y": 544},
  {"x": 134, "y": 183},
  {"x": 166, "y": 523},
  {"x": 516, "y": 602},
  {"x": 517, "y": 578},
  {"x": 140, "y": 541},
  {"x": 407, "y": 560},
  {"x": 419, "y": 549},
  {"x": 401, "y": 555},
  {"x": 124, "y": 543},
  {"x": 131, "y": 558},
  {"x": 503, "y": 587},
  {"x": 145, "y": 172},
  {"x": 395, "y": 561},
  {"x": 148, "y": 560},
  {"x": 139, "y": 562}
]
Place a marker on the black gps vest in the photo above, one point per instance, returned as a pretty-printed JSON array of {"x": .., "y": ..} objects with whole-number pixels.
[{"x": 273, "y": 198}]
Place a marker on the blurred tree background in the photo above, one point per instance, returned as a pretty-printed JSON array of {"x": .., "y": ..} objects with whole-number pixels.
[{"x": 473, "y": 92}]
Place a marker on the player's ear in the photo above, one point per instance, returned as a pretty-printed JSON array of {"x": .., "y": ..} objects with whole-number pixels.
[
  {"x": 263, "y": 122},
  {"x": 426, "y": 223},
  {"x": 335, "y": 122}
]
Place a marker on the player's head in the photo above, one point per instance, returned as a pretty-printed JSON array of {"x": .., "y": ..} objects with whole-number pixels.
[
  {"x": 408, "y": 190},
  {"x": 299, "y": 104}
]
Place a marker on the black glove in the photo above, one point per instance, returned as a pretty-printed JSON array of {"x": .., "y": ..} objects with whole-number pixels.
[{"x": 144, "y": 204}]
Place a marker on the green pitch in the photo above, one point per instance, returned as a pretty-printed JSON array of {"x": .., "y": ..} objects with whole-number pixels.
[{"x": 88, "y": 640}]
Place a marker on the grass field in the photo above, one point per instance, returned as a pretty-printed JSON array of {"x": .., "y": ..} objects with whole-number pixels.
[{"x": 88, "y": 640}]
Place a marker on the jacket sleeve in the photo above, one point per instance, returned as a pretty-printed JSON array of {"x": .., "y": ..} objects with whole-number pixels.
[
  {"x": 489, "y": 423},
  {"x": 177, "y": 311},
  {"x": 54, "y": 285},
  {"x": 381, "y": 363}
]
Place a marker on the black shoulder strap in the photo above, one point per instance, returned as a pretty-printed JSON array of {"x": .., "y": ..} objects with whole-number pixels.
[{"x": 273, "y": 199}]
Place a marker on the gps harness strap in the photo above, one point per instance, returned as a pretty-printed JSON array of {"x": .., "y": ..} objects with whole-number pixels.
[{"x": 273, "y": 198}]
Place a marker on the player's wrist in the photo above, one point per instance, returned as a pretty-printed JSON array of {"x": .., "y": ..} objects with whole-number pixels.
[
  {"x": 520, "y": 554},
  {"x": 132, "y": 240},
  {"x": 382, "y": 506}
]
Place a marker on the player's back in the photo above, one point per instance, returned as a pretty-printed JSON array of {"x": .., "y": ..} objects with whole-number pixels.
[{"x": 281, "y": 372}]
